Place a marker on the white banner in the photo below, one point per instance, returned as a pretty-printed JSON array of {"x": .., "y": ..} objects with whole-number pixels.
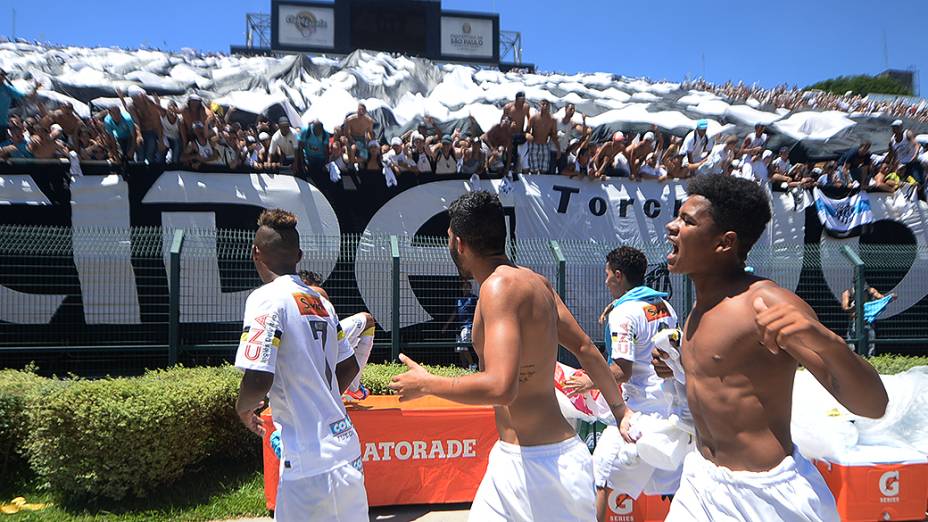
[
  {"x": 466, "y": 37},
  {"x": 305, "y": 26},
  {"x": 841, "y": 216}
]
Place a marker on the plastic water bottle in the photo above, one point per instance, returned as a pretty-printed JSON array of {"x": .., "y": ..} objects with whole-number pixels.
[{"x": 275, "y": 443}]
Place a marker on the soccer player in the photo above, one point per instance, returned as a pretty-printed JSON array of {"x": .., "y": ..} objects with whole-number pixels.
[
  {"x": 539, "y": 469},
  {"x": 359, "y": 331},
  {"x": 293, "y": 349},
  {"x": 741, "y": 346}
]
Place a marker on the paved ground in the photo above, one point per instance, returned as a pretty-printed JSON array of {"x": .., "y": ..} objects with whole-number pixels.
[{"x": 425, "y": 513}]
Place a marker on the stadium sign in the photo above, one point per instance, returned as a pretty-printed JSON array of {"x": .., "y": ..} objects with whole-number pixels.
[
  {"x": 466, "y": 37},
  {"x": 304, "y": 25}
]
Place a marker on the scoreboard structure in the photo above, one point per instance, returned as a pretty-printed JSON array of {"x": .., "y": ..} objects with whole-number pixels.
[{"x": 413, "y": 27}]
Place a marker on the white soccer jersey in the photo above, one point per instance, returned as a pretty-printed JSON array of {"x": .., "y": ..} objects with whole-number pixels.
[
  {"x": 293, "y": 332},
  {"x": 632, "y": 324}
]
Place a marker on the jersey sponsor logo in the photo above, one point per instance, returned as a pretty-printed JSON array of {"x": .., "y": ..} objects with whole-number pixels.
[
  {"x": 342, "y": 429},
  {"x": 259, "y": 339},
  {"x": 420, "y": 450},
  {"x": 655, "y": 311},
  {"x": 889, "y": 487},
  {"x": 358, "y": 464},
  {"x": 310, "y": 305}
]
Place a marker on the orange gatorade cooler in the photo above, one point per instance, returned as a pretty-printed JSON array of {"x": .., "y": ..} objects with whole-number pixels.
[{"x": 878, "y": 483}]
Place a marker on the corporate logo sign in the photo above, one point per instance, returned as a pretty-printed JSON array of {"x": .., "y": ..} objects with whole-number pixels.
[
  {"x": 301, "y": 25},
  {"x": 466, "y": 37}
]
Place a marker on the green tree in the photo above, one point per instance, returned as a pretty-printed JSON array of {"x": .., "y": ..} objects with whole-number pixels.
[{"x": 862, "y": 84}]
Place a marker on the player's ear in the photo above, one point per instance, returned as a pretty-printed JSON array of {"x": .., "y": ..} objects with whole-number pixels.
[
  {"x": 299, "y": 255},
  {"x": 728, "y": 242}
]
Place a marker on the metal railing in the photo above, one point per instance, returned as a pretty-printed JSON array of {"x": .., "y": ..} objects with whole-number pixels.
[{"x": 121, "y": 300}]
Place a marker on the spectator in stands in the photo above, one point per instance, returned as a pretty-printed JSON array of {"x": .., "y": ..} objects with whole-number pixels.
[
  {"x": 904, "y": 149},
  {"x": 567, "y": 129},
  {"x": 264, "y": 149},
  {"x": 396, "y": 159},
  {"x": 8, "y": 94},
  {"x": 697, "y": 145},
  {"x": 473, "y": 160},
  {"x": 542, "y": 140},
  {"x": 638, "y": 152},
  {"x": 463, "y": 321},
  {"x": 228, "y": 150},
  {"x": 15, "y": 146},
  {"x": 500, "y": 135},
  {"x": 781, "y": 166},
  {"x": 64, "y": 117},
  {"x": 147, "y": 116},
  {"x": 856, "y": 164},
  {"x": 421, "y": 155},
  {"x": 722, "y": 157},
  {"x": 446, "y": 161},
  {"x": 429, "y": 130},
  {"x": 517, "y": 111},
  {"x": 359, "y": 128},
  {"x": 195, "y": 111},
  {"x": 605, "y": 163},
  {"x": 283, "y": 143},
  {"x": 313, "y": 147},
  {"x": 200, "y": 150},
  {"x": 886, "y": 178},
  {"x": 43, "y": 146},
  {"x": 171, "y": 124},
  {"x": 120, "y": 125}
]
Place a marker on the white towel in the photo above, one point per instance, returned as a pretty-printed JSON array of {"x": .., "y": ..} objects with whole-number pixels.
[
  {"x": 390, "y": 176},
  {"x": 335, "y": 175}
]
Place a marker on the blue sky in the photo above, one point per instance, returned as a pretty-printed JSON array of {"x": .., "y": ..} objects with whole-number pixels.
[{"x": 797, "y": 42}]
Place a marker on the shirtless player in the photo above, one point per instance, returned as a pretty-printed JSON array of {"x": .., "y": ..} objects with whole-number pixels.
[
  {"x": 742, "y": 344},
  {"x": 517, "y": 111},
  {"x": 539, "y": 469},
  {"x": 359, "y": 127}
]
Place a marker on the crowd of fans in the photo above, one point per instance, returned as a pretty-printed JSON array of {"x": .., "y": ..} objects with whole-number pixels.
[{"x": 527, "y": 140}]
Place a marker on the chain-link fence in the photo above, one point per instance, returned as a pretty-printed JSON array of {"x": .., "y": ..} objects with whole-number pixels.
[{"x": 108, "y": 301}]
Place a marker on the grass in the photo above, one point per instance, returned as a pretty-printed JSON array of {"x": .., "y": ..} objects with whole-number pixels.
[{"x": 213, "y": 491}]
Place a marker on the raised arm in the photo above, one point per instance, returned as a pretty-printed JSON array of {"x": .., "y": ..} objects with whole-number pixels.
[{"x": 787, "y": 323}]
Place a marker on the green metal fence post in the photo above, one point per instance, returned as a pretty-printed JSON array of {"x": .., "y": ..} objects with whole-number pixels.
[
  {"x": 174, "y": 298},
  {"x": 395, "y": 299},
  {"x": 561, "y": 283},
  {"x": 859, "y": 297}
]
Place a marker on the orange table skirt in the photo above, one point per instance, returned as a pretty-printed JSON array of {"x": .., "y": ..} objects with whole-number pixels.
[{"x": 426, "y": 451}]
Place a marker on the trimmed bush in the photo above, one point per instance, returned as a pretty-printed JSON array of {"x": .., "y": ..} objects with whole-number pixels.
[
  {"x": 117, "y": 437},
  {"x": 893, "y": 364},
  {"x": 376, "y": 377},
  {"x": 18, "y": 391}
]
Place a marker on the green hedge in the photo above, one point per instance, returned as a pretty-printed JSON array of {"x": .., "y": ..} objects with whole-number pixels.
[
  {"x": 128, "y": 436},
  {"x": 117, "y": 437},
  {"x": 376, "y": 377}
]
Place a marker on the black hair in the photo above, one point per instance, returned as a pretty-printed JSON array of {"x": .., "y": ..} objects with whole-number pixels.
[
  {"x": 477, "y": 218},
  {"x": 736, "y": 204},
  {"x": 630, "y": 261},
  {"x": 311, "y": 278}
]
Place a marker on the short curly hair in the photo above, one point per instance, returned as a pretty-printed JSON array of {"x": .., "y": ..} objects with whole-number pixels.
[
  {"x": 736, "y": 205},
  {"x": 630, "y": 261},
  {"x": 277, "y": 218}
]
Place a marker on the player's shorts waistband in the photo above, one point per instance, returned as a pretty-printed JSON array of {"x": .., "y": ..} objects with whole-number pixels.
[
  {"x": 787, "y": 469},
  {"x": 543, "y": 450}
]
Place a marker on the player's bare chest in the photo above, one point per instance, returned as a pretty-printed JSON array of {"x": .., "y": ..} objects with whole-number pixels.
[{"x": 719, "y": 340}]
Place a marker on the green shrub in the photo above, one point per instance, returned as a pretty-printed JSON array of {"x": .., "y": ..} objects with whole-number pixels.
[
  {"x": 893, "y": 364},
  {"x": 116, "y": 437},
  {"x": 376, "y": 377},
  {"x": 18, "y": 392}
]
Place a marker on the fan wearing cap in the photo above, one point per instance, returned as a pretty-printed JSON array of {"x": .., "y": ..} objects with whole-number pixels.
[
  {"x": 147, "y": 116},
  {"x": 396, "y": 158},
  {"x": 697, "y": 145},
  {"x": 603, "y": 161},
  {"x": 359, "y": 127},
  {"x": 200, "y": 150},
  {"x": 194, "y": 111},
  {"x": 283, "y": 143},
  {"x": 264, "y": 149},
  {"x": 638, "y": 152},
  {"x": 904, "y": 149}
]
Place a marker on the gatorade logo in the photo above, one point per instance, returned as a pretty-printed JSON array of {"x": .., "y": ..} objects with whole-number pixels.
[
  {"x": 889, "y": 485},
  {"x": 620, "y": 507}
]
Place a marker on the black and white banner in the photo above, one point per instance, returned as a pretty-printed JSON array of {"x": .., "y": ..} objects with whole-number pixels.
[{"x": 843, "y": 217}]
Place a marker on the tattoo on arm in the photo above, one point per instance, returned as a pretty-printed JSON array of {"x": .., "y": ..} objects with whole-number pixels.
[{"x": 526, "y": 372}]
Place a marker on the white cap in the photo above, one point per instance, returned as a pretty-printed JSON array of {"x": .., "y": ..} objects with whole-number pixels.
[
  {"x": 766, "y": 154},
  {"x": 416, "y": 136},
  {"x": 896, "y": 123},
  {"x": 135, "y": 90},
  {"x": 263, "y": 136},
  {"x": 396, "y": 141},
  {"x": 648, "y": 136}
]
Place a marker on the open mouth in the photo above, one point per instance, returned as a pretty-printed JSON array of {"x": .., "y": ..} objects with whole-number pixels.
[{"x": 674, "y": 250}]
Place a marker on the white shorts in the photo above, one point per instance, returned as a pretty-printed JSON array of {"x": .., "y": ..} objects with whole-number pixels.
[
  {"x": 552, "y": 482},
  {"x": 792, "y": 491},
  {"x": 337, "y": 496},
  {"x": 353, "y": 326},
  {"x": 617, "y": 466}
]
